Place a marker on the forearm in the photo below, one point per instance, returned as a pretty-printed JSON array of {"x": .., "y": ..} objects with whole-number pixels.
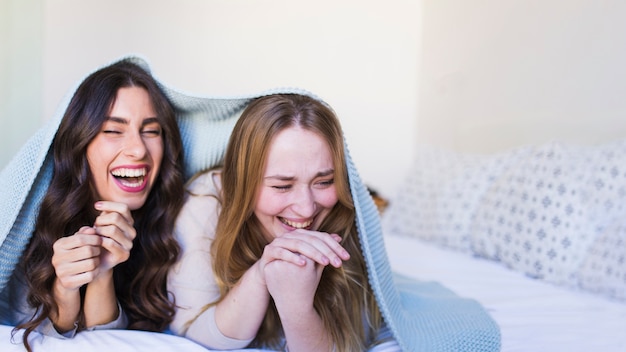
[
  {"x": 304, "y": 330},
  {"x": 100, "y": 306},
  {"x": 240, "y": 313},
  {"x": 68, "y": 307},
  {"x": 293, "y": 289}
]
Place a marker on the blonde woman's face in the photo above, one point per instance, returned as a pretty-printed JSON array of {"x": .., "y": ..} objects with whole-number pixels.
[{"x": 298, "y": 187}]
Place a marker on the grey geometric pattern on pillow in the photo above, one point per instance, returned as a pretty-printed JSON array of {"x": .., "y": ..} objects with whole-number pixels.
[
  {"x": 438, "y": 199},
  {"x": 604, "y": 269},
  {"x": 556, "y": 212},
  {"x": 604, "y": 191},
  {"x": 534, "y": 218}
]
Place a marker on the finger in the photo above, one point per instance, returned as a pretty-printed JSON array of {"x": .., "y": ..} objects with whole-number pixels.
[
  {"x": 115, "y": 207},
  {"x": 60, "y": 257},
  {"x": 112, "y": 218},
  {"x": 114, "y": 225},
  {"x": 119, "y": 253},
  {"x": 332, "y": 241},
  {"x": 319, "y": 246},
  {"x": 85, "y": 237},
  {"x": 117, "y": 221},
  {"x": 306, "y": 246},
  {"x": 273, "y": 252},
  {"x": 124, "y": 238},
  {"x": 76, "y": 281},
  {"x": 336, "y": 237},
  {"x": 76, "y": 266},
  {"x": 68, "y": 269}
]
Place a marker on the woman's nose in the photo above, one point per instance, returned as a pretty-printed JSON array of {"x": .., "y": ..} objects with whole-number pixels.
[
  {"x": 135, "y": 146},
  {"x": 304, "y": 202}
]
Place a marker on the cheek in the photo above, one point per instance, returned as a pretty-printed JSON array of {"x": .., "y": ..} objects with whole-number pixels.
[
  {"x": 157, "y": 151},
  {"x": 328, "y": 198},
  {"x": 268, "y": 204},
  {"x": 97, "y": 164}
]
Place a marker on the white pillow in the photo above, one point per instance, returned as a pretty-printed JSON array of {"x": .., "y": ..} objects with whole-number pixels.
[
  {"x": 439, "y": 198},
  {"x": 534, "y": 218},
  {"x": 604, "y": 269},
  {"x": 605, "y": 189}
]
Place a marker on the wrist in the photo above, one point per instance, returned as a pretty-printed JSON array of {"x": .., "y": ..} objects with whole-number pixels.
[
  {"x": 103, "y": 277},
  {"x": 256, "y": 276},
  {"x": 64, "y": 294}
]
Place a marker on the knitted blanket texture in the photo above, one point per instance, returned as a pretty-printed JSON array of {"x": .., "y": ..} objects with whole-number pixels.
[{"x": 423, "y": 316}]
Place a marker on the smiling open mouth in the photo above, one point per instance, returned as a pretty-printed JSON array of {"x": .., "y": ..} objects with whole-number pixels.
[
  {"x": 296, "y": 225},
  {"x": 130, "y": 178}
]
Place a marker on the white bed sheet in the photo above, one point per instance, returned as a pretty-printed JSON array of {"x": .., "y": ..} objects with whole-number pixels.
[
  {"x": 100, "y": 340},
  {"x": 103, "y": 340},
  {"x": 533, "y": 315}
]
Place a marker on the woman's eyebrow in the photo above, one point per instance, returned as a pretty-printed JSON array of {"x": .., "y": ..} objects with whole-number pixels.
[
  {"x": 119, "y": 120},
  {"x": 280, "y": 177},
  {"x": 124, "y": 121},
  {"x": 324, "y": 173},
  {"x": 150, "y": 120}
]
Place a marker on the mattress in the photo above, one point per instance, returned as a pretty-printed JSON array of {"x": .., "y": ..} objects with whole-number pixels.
[{"x": 533, "y": 315}]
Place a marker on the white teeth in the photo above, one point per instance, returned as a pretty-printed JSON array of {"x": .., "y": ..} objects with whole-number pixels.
[
  {"x": 131, "y": 184},
  {"x": 297, "y": 225},
  {"x": 129, "y": 172}
]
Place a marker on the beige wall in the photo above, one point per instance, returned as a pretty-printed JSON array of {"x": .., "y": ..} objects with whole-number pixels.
[
  {"x": 20, "y": 73},
  {"x": 497, "y": 74},
  {"x": 360, "y": 56},
  {"x": 473, "y": 76}
]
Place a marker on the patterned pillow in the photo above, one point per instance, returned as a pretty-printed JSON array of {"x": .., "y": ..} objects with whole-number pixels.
[
  {"x": 438, "y": 199},
  {"x": 604, "y": 269},
  {"x": 534, "y": 218},
  {"x": 605, "y": 190}
]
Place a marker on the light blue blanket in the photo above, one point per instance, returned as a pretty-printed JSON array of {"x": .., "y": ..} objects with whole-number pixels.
[{"x": 423, "y": 316}]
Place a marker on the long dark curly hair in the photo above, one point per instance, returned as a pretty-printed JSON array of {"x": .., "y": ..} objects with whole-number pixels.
[{"x": 140, "y": 282}]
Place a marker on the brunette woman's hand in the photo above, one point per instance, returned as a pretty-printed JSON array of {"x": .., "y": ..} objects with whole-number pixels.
[
  {"x": 76, "y": 259},
  {"x": 115, "y": 226}
]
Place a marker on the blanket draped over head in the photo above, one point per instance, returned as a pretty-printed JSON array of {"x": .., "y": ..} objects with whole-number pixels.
[{"x": 423, "y": 316}]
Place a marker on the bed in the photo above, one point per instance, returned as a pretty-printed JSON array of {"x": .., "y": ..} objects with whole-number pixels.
[
  {"x": 432, "y": 231},
  {"x": 535, "y": 234},
  {"x": 532, "y": 315},
  {"x": 533, "y": 239}
]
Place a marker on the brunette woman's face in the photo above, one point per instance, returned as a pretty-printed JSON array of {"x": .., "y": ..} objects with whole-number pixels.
[
  {"x": 298, "y": 187},
  {"x": 125, "y": 156}
]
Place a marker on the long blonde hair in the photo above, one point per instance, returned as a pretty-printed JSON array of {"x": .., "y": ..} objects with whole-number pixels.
[{"x": 344, "y": 299}]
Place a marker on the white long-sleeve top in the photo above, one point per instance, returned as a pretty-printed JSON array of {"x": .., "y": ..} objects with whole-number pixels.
[{"x": 191, "y": 281}]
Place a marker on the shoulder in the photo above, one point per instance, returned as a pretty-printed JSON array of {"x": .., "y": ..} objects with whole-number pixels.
[
  {"x": 202, "y": 195},
  {"x": 208, "y": 183},
  {"x": 198, "y": 216}
]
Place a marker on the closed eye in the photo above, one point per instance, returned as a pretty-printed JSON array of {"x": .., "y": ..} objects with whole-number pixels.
[
  {"x": 326, "y": 183},
  {"x": 282, "y": 187},
  {"x": 152, "y": 132}
]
